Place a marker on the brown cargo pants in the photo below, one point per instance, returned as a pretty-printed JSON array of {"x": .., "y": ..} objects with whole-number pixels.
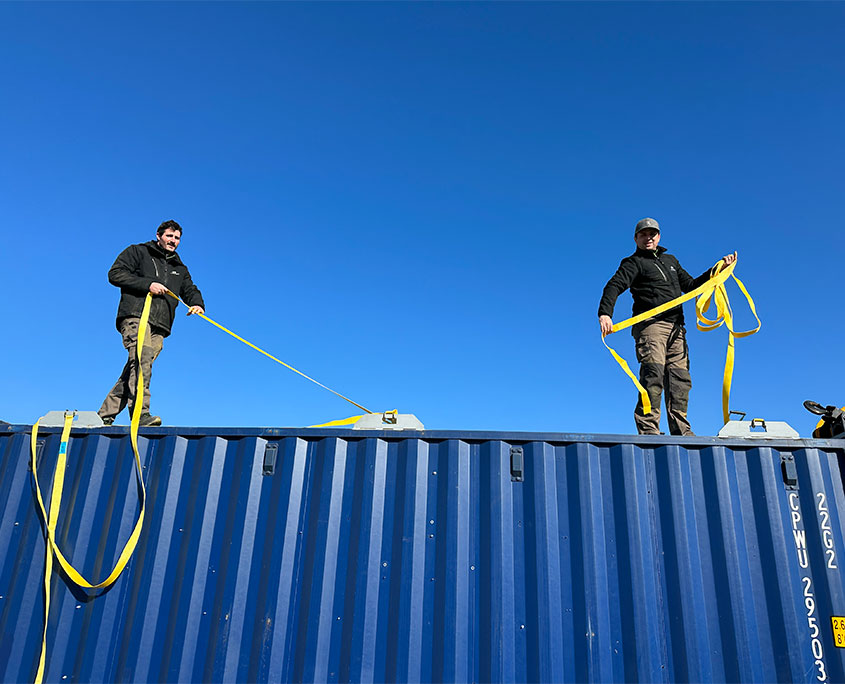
[
  {"x": 123, "y": 392},
  {"x": 664, "y": 363}
]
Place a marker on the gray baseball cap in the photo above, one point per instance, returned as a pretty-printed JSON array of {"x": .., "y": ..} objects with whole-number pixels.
[{"x": 642, "y": 224}]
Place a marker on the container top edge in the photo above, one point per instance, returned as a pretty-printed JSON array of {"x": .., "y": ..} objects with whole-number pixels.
[{"x": 463, "y": 435}]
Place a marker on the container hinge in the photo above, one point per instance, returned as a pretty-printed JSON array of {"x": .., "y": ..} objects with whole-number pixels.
[
  {"x": 270, "y": 451},
  {"x": 789, "y": 471},
  {"x": 39, "y": 449},
  {"x": 517, "y": 464}
]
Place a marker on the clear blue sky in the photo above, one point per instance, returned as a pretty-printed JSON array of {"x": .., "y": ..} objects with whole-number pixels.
[{"x": 419, "y": 204}]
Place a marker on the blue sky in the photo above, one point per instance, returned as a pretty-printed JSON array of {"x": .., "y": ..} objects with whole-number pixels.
[{"x": 419, "y": 204}]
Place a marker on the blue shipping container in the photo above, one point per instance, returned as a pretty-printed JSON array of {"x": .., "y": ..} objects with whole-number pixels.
[{"x": 342, "y": 555}]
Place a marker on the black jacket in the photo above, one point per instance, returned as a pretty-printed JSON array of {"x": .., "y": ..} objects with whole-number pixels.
[
  {"x": 655, "y": 277},
  {"x": 136, "y": 268}
]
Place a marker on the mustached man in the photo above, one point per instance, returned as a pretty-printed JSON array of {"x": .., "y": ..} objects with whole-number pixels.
[{"x": 150, "y": 267}]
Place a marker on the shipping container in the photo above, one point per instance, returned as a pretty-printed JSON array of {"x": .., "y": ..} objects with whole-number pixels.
[{"x": 341, "y": 555}]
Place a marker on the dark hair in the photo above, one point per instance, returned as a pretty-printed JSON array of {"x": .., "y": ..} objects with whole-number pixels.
[{"x": 168, "y": 224}]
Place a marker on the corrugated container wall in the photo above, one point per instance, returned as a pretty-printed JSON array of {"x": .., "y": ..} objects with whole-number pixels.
[{"x": 378, "y": 556}]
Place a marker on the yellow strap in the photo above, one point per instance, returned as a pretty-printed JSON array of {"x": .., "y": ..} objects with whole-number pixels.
[
  {"x": 625, "y": 367},
  {"x": 335, "y": 423},
  {"x": 56, "y": 499},
  {"x": 716, "y": 279},
  {"x": 713, "y": 291},
  {"x": 346, "y": 421},
  {"x": 259, "y": 349}
]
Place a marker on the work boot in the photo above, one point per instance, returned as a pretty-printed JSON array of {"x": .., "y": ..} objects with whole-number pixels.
[
  {"x": 108, "y": 421},
  {"x": 149, "y": 421}
]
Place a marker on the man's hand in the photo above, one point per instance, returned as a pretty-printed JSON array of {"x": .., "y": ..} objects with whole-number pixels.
[
  {"x": 195, "y": 310},
  {"x": 606, "y": 325},
  {"x": 729, "y": 259},
  {"x": 158, "y": 289}
]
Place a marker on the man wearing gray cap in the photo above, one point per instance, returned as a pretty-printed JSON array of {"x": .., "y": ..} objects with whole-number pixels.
[{"x": 655, "y": 277}]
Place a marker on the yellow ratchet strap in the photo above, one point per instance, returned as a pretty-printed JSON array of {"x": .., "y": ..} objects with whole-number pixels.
[
  {"x": 56, "y": 499},
  {"x": 289, "y": 367},
  {"x": 713, "y": 291}
]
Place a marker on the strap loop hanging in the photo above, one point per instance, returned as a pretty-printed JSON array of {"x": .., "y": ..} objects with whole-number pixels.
[{"x": 51, "y": 520}]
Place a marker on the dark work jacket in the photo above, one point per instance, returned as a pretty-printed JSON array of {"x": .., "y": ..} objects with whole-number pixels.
[
  {"x": 654, "y": 277},
  {"x": 136, "y": 268}
]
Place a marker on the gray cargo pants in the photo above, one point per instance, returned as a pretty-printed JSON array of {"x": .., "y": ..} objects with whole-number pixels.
[
  {"x": 123, "y": 392},
  {"x": 664, "y": 361}
]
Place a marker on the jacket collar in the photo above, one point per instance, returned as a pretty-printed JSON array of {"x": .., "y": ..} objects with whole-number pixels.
[
  {"x": 650, "y": 254},
  {"x": 156, "y": 250}
]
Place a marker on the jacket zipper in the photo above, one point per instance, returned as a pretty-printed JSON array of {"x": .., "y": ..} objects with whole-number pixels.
[
  {"x": 661, "y": 271},
  {"x": 158, "y": 275}
]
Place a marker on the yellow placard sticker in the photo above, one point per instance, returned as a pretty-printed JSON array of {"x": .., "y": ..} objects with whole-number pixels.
[{"x": 838, "y": 624}]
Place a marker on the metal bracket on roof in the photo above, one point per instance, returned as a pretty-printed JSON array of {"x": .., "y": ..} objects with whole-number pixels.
[
  {"x": 758, "y": 429},
  {"x": 82, "y": 419},
  {"x": 388, "y": 421}
]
